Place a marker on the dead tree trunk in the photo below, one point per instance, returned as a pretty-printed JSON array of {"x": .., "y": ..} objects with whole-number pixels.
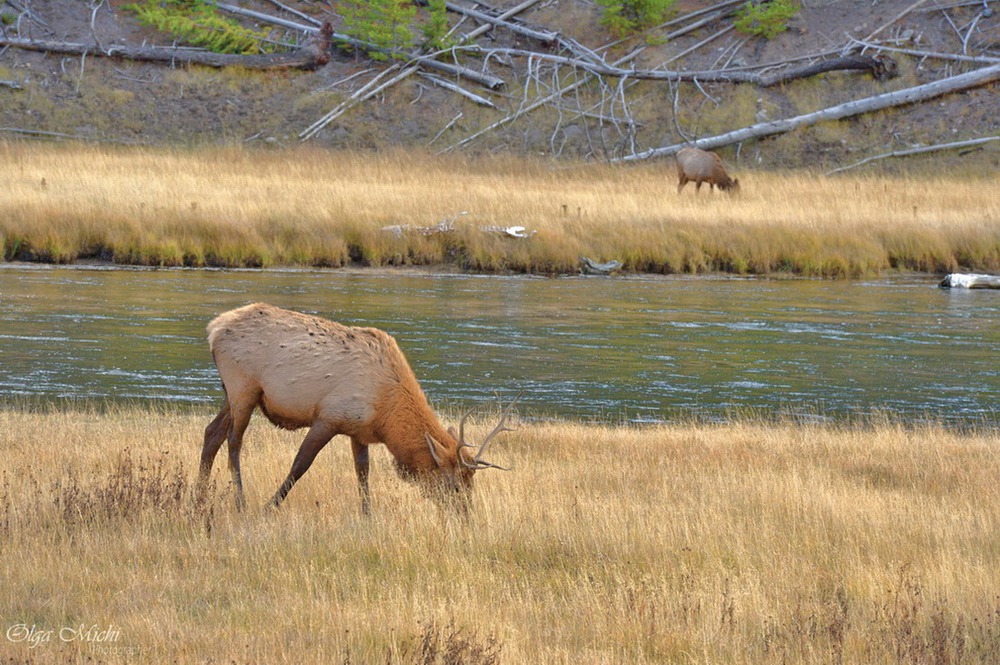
[
  {"x": 311, "y": 56},
  {"x": 918, "y": 93},
  {"x": 882, "y": 68}
]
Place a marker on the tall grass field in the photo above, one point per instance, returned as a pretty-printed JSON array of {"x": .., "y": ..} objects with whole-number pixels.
[
  {"x": 743, "y": 542},
  {"x": 310, "y": 207}
]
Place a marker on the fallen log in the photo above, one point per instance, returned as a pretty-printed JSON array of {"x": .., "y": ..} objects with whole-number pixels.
[
  {"x": 38, "y": 133},
  {"x": 311, "y": 56},
  {"x": 978, "y": 77},
  {"x": 880, "y": 66},
  {"x": 592, "y": 267},
  {"x": 958, "y": 280}
]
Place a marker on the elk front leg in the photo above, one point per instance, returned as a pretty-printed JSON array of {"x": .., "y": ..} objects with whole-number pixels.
[
  {"x": 360, "y": 451},
  {"x": 319, "y": 435}
]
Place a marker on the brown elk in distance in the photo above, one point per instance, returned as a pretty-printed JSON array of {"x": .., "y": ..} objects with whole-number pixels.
[
  {"x": 304, "y": 371},
  {"x": 698, "y": 166}
]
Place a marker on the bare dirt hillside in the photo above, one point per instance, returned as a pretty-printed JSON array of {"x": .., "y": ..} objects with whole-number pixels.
[{"x": 115, "y": 99}]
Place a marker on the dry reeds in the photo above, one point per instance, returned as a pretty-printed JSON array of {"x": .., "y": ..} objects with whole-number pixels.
[
  {"x": 232, "y": 207},
  {"x": 730, "y": 543}
]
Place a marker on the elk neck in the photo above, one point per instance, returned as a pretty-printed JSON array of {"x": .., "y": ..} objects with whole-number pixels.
[{"x": 403, "y": 421}]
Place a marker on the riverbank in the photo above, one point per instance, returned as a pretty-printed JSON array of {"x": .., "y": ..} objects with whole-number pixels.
[
  {"x": 231, "y": 207},
  {"x": 772, "y": 542}
]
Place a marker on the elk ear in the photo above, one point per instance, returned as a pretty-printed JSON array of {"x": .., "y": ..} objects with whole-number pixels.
[{"x": 437, "y": 450}]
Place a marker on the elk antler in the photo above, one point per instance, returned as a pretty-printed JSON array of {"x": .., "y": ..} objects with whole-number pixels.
[{"x": 477, "y": 459}]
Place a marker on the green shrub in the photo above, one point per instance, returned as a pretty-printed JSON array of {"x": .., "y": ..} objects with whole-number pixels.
[
  {"x": 436, "y": 26},
  {"x": 766, "y": 18},
  {"x": 625, "y": 17},
  {"x": 197, "y": 22},
  {"x": 385, "y": 24}
]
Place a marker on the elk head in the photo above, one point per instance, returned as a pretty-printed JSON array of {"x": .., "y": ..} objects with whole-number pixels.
[{"x": 456, "y": 469}]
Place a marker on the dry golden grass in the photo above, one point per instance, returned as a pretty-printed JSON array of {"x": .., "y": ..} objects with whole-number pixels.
[
  {"x": 233, "y": 207},
  {"x": 738, "y": 543}
]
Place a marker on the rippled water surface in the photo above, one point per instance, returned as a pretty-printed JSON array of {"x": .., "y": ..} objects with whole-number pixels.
[{"x": 609, "y": 348}]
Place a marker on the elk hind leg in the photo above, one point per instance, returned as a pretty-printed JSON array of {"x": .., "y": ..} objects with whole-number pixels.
[
  {"x": 240, "y": 420},
  {"x": 318, "y": 436},
  {"x": 215, "y": 434},
  {"x": 360, "y": 451}
]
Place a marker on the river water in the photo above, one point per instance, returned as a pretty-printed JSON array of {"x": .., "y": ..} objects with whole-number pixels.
[{"x": 610, "y": 349}]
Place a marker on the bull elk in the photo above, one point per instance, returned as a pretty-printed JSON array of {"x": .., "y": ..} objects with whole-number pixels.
[
  {"x": 698, "y": 166},
  {"x": 304, "y": 371}
]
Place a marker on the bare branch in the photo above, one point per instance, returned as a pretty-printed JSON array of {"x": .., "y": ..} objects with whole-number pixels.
[
  {"x": 301, "y": 15},
  {"x": 93, "y": 22},
  {"x": 438, "y": 81},
  {"x": 486, "y": 27},
  {"x": 544, "y": 37},
  {"x": 927, "y": 54},
  {"x": 917, "y": 151},
  {"x": 366, "y": 92},
  {"x": 450, "y": 124},
  {"x": 894, "y": 20},
  {"x": 534, "y": 105}
]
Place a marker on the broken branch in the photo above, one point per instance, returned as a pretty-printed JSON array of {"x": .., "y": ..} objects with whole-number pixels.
[
  {"x": 448, "y": 85},
  {"x": 917, "y": 151}
]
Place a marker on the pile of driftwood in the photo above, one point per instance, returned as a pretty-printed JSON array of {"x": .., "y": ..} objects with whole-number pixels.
[
  {"x": 551, "y": 69},
  {"x": 448, "y": 226}
]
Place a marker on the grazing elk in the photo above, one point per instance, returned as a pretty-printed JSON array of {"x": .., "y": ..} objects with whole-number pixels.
[
  {"x": 694, "y": 164},
  {"x": 304, "y": 371}
]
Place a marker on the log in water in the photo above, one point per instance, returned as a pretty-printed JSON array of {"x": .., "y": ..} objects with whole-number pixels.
[{"x": 958, "y": 280}]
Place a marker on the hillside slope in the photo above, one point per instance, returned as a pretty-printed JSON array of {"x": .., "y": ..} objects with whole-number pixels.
[{"x": 109, "y": 99}]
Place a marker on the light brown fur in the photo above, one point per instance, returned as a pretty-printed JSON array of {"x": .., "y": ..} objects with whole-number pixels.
[
  {"x": 698, "y": 166},
  {"x": 304, "y": 371}
]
